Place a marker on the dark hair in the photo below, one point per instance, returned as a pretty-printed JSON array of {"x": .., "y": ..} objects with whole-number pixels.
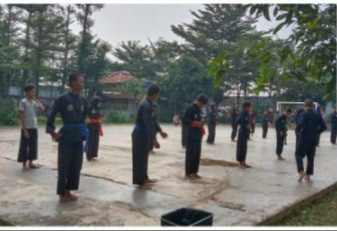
[
  {"x": 73, "y": 77},
  {"x": 309, "y": 103},
  {"x": 289, "y": 110},
  {"x": 29, "y": 87},
  {"x": 246, "y": 104},
  {"x": 153, "y": 90},
  {"x": 202, "y": 98}
]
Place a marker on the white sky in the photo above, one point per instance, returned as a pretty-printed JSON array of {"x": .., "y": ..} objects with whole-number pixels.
[{"x": 121, "y": 22}]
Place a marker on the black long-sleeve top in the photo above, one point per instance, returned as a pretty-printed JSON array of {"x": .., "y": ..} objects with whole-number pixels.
[
  {"x": 192, "y": 113},
  {"x": 310, "y": 125},
  {"x": 145, "y": 121},
  {"x": 281, "y": 124},
  {"x": 73, "y": 110},
  {"x": 244, "y": 122}
]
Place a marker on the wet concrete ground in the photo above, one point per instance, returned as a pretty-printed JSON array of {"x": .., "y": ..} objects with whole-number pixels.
[{"x": 235, "y": 196}]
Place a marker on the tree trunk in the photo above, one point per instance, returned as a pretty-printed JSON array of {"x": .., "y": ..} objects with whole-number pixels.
[{"x": 66, "y": 51}]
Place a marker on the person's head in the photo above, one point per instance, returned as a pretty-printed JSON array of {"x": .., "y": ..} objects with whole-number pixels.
[
  {"x": 96, "y": 102},
  {"x": 30, "y": 90},
  {"x": 76, "y": 82},
  {"x": 153, "y": 92},
  {"x": 334, "y": 109},
  {"x": 308, "y": 104},
  {"x": 201, "y": 100},
  {"x": 288, "y": 112},
  {"x": 213, "y": 107},
  {"x": 246, "y": 106},
  {"x": 265, "y": 112},
  {"x": 235, "y": 105}
]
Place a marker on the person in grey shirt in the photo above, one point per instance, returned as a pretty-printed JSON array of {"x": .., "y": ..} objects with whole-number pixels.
[{"x": 27, "y": 114}]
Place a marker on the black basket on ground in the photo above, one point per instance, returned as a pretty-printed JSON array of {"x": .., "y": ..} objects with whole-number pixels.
[{"x": 187, "y": 217}]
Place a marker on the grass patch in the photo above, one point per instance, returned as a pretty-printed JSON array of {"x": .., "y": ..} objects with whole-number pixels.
[
  {"x": 322, "y": 211},
  {"x": 4, "y": 223}
]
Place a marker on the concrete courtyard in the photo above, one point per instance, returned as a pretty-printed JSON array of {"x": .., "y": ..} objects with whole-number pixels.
[{"x": 236, "y": 197}]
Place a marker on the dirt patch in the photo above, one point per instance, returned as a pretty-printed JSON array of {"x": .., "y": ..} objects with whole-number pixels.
[{"x": 212, "y": 162}]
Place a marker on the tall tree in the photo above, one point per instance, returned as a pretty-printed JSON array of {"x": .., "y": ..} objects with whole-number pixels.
[{"x": 219, "y": 29}]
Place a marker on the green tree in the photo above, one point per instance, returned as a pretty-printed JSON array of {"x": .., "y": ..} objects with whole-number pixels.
[
  {"x": 311, "y": 48},
  {"x": 221, "y": 30}
]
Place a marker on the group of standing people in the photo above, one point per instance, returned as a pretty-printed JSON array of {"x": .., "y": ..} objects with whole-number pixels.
[{"x": 82, "y": 125}]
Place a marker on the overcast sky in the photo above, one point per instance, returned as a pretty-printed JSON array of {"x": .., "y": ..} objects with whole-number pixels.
[{"x": 121, "y": 22}]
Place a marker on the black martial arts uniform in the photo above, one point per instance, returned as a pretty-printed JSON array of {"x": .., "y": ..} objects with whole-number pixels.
[
  {"x": 73, "y": 110},
  {"x": 234, "y": 122},
  {"x": 333, "y": 127},
  {"x": 194, "y": 137},
  {"x": 244, "y": 131},
  {"x": 211, "y": 123},
  {"x": 281, "y": 127},
  {"x": 310, "y": 126},
  {"x": 142, "y": 140},
  {"x": 265, "y": 126},
  {"x": 95, "y": 129}
]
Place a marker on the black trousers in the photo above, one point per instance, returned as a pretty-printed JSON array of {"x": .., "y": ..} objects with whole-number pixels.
[
  {"x": 193, "y": 152},
  {"x": 305, "y": 149},
  {"x": 234, "y": 130},
  {"x": 279, "y": 144},
  {"x": 264, "y": 131},
  {"x": 93, "y": 144},
  {"x": 241, "y": 150},
  {"x": 28, "y": 147},
  {"x": 184, "y": 130},
  {"x": 333, "y": 135},
  {"x": 211, "y": 133},
  {"x": 252, "y": 128},
  {"x": 318, "y": 139},
  {"x": 70, "y": 158},
  {"x": 141, "y": 144}
]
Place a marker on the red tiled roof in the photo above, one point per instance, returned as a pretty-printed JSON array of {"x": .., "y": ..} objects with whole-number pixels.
[{"x": 117, "y": 77}]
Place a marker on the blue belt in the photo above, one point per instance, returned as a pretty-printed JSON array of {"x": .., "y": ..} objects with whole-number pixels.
[{"x": 84, "y": 132}]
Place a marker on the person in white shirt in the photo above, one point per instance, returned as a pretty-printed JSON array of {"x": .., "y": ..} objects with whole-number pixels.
[{"x": 27, "y": 114}]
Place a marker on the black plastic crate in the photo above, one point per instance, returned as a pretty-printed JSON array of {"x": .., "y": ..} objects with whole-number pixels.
[{"x": 187, "y": 217}]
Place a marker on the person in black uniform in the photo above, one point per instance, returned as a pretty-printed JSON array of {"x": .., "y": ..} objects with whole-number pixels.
[
  {"x": 95, "y": 128},
  {"x": 244, "y": 130},
  {"x": 193, "y": 120},
  {"x": 310, "y": 126},
  {"x": 333, "y": 126},
  {"x": 211, "y": 123},
  {"x": 281, "y": 132},
  {"x": 265, "y": 124},
  {"x": 234, "y": 121},
  {"x": 73, "y": 110},
  {"x": 143, "y": 137}
]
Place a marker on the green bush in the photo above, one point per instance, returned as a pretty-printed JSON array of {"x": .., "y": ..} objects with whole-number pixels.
[
  {"x": 9, "y": 114},
  {"x": 114, "y": 116}
]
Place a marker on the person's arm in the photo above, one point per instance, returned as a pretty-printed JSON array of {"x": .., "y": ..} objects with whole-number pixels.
[
  {"x": 322, "y": 125},
  {"x": 51, "y": 121},
  {"x": 39, "y": 105}
]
